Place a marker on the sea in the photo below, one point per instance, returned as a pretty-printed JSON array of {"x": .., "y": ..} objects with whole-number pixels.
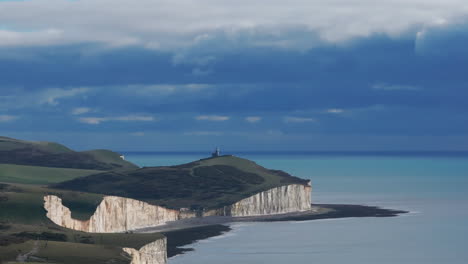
[{"x": 432, "y": 186}]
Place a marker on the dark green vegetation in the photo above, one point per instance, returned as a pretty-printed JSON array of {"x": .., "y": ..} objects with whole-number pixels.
[
  {"x": 51, "y": 244},
  {"x": 21, "y": 203},
  {"x": 48, "y": 154},
  {"x": 24, "y": 227},
  {"x": 208, "y": 183}
]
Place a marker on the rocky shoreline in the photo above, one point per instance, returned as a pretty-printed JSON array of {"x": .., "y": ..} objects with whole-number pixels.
[{"x": 185, "y": 232}]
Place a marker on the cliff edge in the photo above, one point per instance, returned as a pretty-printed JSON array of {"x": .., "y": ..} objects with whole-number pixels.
[
  {"x": 120, "y": 214},
  {"x": 201, "y": 185}
]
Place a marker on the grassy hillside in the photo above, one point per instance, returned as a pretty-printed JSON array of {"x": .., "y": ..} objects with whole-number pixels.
[
  {"x": 48, "y": 154},
  {"x": 39, "y": 175},
  {"x": 53, "y": 244},
  {"x": 22, "y": 203},
  {"x": 207, "y": 183},
  {"x": 24, "y": 226},
  {"x": 7, "y": 144},
  {"x": 109, "y": 157}
]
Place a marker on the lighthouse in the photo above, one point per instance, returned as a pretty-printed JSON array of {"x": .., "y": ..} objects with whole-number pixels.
[{"x": 215, "y": 153}]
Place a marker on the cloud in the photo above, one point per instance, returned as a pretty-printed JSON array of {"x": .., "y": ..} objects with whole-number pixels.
[
  {"x": 15, "y": 98},
  {"x": 7, "y": 118},
  {"x": 81, "y": 110},
  {"x": 253, "y": 119},
  {"x": 294, "y": 119},
  {"x": 444, "y": 40},
  {"x": 334, "y": 111},
  {"x": 165, "y": 89},
  {"x": 212, "y": 117},
  {"x": 395, "y": 87},
  {"x": 35, "y": 38},
  {"x": 93, "y": 120},
  {"x": 53, "y": 95},
  {"x": 166, "y": 25},
  {"x": 129, "y": 118},
  {"x": 19, "y": 98}
]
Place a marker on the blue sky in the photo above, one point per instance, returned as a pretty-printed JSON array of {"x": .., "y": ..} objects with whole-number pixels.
[{"x": 257, "y": 75}]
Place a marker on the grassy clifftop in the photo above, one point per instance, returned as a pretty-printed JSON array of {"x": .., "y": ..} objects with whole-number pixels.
[
  {"x": 49, "y": 154},
  {"x": 13, "y": 173},
  {"x": 207, "y": 183}
]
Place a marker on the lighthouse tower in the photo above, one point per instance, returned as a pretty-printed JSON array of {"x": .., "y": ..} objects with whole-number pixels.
[{"x": 215, "y": 153}]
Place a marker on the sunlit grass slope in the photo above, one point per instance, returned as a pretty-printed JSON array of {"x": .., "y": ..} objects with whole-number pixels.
[
  {"x": 39, "y": 175},
  {"x": 49, "y": 154}
]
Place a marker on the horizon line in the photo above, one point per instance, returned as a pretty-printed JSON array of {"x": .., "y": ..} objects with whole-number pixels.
[{"x": 308, "y": 152}]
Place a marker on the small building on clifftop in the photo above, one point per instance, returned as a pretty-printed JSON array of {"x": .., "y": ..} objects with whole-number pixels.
[{"x": 216, "y": 153}]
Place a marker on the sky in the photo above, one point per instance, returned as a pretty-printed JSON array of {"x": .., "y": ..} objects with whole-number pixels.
[{"x": 257, "y": 75}]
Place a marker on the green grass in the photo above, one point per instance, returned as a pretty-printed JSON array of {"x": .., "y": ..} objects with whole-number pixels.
[
  {"x": 79, "y": 247},
  {"x": 23, "y": 221},
  {"x": 110, "y": 157},
  {"x": 77, "y": 253},
  {"x": 50, "y": 154},
  {"x": 39, "y": 175},
  {"x": 209, "y": 183},
  {"x": 20, "y": 203},
  {"x": 10, "y": 252},
  {"x": 64, "y": 252},
  {"x": 7, "y": 144},
  {"x": 71, "y": 246}
]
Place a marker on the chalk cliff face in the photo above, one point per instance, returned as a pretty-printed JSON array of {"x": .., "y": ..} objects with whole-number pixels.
[
  {"x": 152, "y": 253},
  {"x": 118, "y": 214},
  {"x": 280, "y": 200},
  {"x": 114, "y": 214}
]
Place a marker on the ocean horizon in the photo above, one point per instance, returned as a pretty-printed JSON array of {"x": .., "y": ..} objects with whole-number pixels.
[{"x": 410, "y": 153}]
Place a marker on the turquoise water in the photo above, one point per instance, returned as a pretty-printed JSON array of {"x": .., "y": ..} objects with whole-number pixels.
[{"x": 433, "y": 188}]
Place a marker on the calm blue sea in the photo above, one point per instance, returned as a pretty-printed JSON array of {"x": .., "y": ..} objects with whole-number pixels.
[{"x": 433, "y": 186}]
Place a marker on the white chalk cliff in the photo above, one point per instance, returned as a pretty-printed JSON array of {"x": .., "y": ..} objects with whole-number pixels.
[
  {"x": 152, "y": 253},
  {"x": 114, "y": 214},
  {"x": 119, "y": 214},
  {"x": 280, "y": 200}
]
